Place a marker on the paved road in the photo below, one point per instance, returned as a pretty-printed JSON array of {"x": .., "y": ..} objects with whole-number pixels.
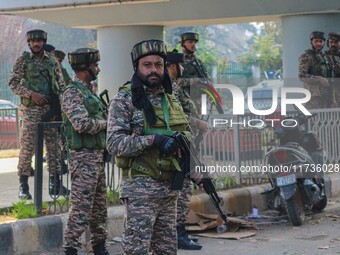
[
  {"x": 9, "y": 183},
  {"x": 319, "y": 235}
]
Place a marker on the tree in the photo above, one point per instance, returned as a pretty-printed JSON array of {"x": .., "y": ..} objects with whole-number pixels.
[{"x": 266, "y": 50}]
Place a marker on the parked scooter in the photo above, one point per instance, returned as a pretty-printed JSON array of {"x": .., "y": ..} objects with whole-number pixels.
[{"x": 296, "y": 170}]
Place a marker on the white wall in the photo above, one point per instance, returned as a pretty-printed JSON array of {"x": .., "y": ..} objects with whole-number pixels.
[{"x": 115, "y": 44}]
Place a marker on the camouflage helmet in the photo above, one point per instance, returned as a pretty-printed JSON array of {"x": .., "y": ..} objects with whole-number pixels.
[
  {"x": 174, "y": 58},
  {"x": 146, "y": 48},
  {"x": 318, "y": 35},
  {"x": 83, "y": 56},
  {"x": 188, "y": 36},
  {"x": 36, "y": 34},
  {"x": 59, "y": 54},
  {"x": 334, "y": 36}
]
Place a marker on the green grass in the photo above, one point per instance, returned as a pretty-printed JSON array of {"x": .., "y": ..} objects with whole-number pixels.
[
  {"x": 113, "y": 197},
  {"x": 22, "y": 210},
  {"x": 224, "y": 182}
]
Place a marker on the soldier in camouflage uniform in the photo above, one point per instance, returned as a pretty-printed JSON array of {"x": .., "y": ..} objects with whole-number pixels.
[
  {"x": 175, "y": 68},
  {"x": 194, "y": 71},
  {"x": 85, "y": 127},
  {"x": 30, "y": 80},
  {"x": 333, "y": 54},
  {"x": 141, "y": 116},
  {"x": 60, "y": 55},
  {"x": 314, "y": 71}
]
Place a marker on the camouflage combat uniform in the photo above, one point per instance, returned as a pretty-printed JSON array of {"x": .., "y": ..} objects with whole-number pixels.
[
  {"x": 194, "y": 72},
  {"x": 334, "y": 59},
  {"x": 312, "y": 65},
  {"x": 85, "y": 128},
  {"x": 190, "y": 110},
  {"x": 150, "y": 216},
  {"x": 187, "y": 104},
  {"x": 27, "y": 68}
]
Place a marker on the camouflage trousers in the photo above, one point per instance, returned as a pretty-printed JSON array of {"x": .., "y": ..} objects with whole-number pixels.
[
  {"x": 88, "y": 199},
  {"x": 28, "y": 127},
  {"x": 150, "y": 225},
  {"x": 183, "y": 201}
]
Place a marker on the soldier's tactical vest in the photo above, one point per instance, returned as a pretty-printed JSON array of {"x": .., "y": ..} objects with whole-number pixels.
[
  {"x": 95, "y": 110},
  {"x": 321, "y": 66},
  {"x": 194, "y": 69},
  {"x": 151, "y": 162},
  {"x": 36, "y": 77}
]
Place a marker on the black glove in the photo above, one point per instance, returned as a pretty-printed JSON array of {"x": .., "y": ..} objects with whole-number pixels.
[{"x": 167, "y": 145}]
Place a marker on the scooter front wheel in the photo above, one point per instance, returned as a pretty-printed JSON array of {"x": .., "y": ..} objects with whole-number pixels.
[
  {"x": 320, "y": 205},
  {"x": 295, "y": 209}
]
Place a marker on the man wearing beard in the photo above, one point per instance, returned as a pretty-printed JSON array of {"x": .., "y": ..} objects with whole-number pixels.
[
  {"x": 314, "y": 71},
  {"x": 142, "y": 117},
  {"x": 37, "y": 79},
  {"x": 333, "y": 54}
]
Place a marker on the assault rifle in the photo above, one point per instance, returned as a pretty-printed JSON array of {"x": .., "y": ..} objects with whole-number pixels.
[
  {"x": 105, "y": 103},
  {"x": 190, "y": 155},
  {"x": 53, "y": 100}
]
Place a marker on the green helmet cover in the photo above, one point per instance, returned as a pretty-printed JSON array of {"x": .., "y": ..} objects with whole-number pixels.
[
  {"x": 83, "y": 56},
  {"x": 318, "y": 35},
  {"x": 146, "y": 48},
  {"x": 36, "y": 34},
  {"x": 189, "y": 36},
  {"x": 334, "y": 36}
]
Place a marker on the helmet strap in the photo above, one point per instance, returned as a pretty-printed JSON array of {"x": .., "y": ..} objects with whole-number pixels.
[
  {"x": 92, "y": 74},
  {"x": 187, "y": 50}
]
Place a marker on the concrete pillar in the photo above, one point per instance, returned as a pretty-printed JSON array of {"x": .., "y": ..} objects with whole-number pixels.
[
  {"x": 115, "y": 44},
  {"x": 295, "y": 38}
]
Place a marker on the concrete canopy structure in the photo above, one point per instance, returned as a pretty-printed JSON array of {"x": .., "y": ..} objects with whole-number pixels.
[{"x": 122, "y": 23}]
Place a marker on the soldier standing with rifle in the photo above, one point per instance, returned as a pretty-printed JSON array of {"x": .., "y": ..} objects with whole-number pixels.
[
  {"x": 194, "y": 73},
  {"x": 175, "y": 68},
  {"x": 314, "y": 71},
  {"x": 37, "y": 79},
  {"x": 85, "y": 127},
  {"x": 333, "y": 54},
  {"x": 141, "y": 116}
]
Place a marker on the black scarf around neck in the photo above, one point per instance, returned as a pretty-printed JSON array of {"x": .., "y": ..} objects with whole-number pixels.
[{"x": 140, "y": 99}]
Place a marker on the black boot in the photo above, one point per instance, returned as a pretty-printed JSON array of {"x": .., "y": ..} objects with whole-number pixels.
[
  {"x": 56, "y": 188},
  {"x": 23, "y": 188},
  {"x": 31, "y": 171},
  {"x": 184, "y": 242},
  {"x": 100, "y": 249},
  {"x": 71, "y": 251}
]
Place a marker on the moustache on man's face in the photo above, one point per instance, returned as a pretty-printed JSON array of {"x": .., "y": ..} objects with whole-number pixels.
[{"x": 153, "y": 74}]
